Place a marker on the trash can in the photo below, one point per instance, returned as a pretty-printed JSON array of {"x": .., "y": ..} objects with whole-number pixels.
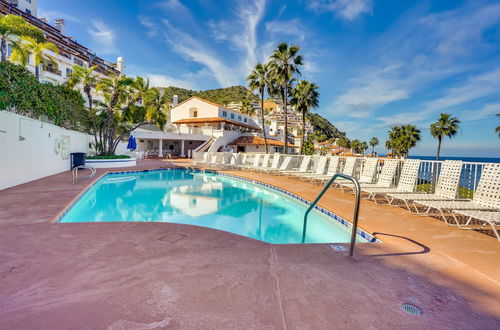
[{"x": 77, "y": 159}]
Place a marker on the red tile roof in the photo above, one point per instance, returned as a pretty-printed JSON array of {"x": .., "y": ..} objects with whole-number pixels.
[{"x": 257, "y": 140}]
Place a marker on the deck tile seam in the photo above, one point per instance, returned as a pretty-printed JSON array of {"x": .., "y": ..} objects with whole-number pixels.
[{"x": 277, "y": 290}]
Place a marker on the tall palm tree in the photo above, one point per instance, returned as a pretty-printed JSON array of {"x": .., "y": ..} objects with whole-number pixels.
[
  {"x": 13, "y": 25},
  {"x": 446, "y": 125},
  {"x": 363, "y": 146},
  {"x": 305, "y": 96},
  {"x": 258, "y": 80},
  {"x": 284, "y": 63},
  {"x": 497, "y": 129},
  {"x": 116, "y": 92},
  {"x": 373, "y": 143},
  {"x": 138, "y": 88},
  {"x": 86, "y": 78},
  {"x": 32, "y": 46}
]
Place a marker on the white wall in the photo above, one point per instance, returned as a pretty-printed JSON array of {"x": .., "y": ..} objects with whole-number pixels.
[{"x": 33, "y": 158}]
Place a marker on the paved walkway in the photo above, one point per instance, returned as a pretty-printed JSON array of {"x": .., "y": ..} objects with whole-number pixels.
[{"x": 154, "y": 275}]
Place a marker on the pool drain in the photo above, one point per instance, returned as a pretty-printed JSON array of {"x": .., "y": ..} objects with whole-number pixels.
[
  {"x": 338, "y": 247},
  {"x": 411, "y": 309}
]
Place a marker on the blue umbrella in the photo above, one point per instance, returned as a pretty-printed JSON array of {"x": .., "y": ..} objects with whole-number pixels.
[{"x": 132, "y": 143}]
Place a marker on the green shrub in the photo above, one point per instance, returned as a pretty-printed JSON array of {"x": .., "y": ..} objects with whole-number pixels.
[
  {"x": 109, "y": 157},
  {"x": 22, "y": 93}
]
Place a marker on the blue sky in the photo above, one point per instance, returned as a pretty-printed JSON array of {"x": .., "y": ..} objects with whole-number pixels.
[{"x": 378, "y": 63}]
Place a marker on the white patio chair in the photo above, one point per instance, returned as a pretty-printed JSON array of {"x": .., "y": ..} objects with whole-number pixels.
[
  {"x": 406, "y": 184},
  {"x": 304, "y": 165},
  {"x": 486, "y": 197},
  {"x": 369, "y": 169},
  {"x": 265, "y": 162},
  {"x": 491, "y": 218},
  {"x": 283, "y": 167},
  {"x": 333, "y": 165},
  {"x": 446, "y": 188},
  {"x": 274, "y": 165},
  {"x": 320, "y": 168}
]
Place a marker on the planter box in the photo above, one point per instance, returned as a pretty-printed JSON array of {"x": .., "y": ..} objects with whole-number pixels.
[{"x": 110, "y": 163}]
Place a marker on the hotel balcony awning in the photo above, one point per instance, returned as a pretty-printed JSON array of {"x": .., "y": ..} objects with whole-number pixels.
[{"x": 213, "y": 120}]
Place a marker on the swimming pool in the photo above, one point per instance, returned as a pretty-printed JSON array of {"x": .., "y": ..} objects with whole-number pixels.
[{"x": 209, "y": 200}]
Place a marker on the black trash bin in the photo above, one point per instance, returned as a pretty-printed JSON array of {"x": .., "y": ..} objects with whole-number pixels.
[{"x": 77, "y": 159}]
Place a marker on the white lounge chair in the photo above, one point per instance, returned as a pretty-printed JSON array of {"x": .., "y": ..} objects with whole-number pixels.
[
  {"x": 283, "y": 167},
  {"x": 320, "y": 167},
  {"x": 491, "y": 218},
  {"x": 265, "y": 162},
  {"x": 486, "y": 197},
  {"x": 386, "y": 176},
  {"x": 446, "y": 188},
  {"x": 274, "y": 164},
  {"x": 369, "y": 170},
  {"x": 406, "y": 184},
  {"x": 333, "y": 165},
  {"x": 304, "y": 165},
  {"x": 256, "y": 162}
]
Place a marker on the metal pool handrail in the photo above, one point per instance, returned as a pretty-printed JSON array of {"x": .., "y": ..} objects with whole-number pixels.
[
  {"x": 74, "y": 172},
  {"x": 356, "y": 208}
]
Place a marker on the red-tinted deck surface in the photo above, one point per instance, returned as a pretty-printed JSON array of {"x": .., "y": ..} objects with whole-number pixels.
[{"x": 153, "y": 275}]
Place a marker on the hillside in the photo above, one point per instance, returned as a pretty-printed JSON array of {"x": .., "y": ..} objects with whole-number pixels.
[
  {"x": 222, "y": 96},
  {"x": 323, "y": 125}
]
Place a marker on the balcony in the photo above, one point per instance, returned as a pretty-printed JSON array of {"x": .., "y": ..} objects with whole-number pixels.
[
  {"x": 53, "y": 70},
  {"x": 78, "y": 62}
]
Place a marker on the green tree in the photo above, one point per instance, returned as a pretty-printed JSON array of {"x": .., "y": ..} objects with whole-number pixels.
[
  {"x": 356, "y": 146},
  {"x": 497, "y": 129},
  {"x": 247, "y": 108},
  {"x": 85, "y": 78},
  {"x": 363, "y": 146},
  {"x": 284, "y": 65},
  {"x": 373, "y": 143},
  {"x": 304, "y": 97},
  {"x": 446, "y": 125},
  {"x": 344, "y": 142},
  {"x": 401, "y": 139},
  {"x": 15, "y": 26},
  {"x": 32, "y": 46},
  {"x": 257, "y": 81},
  {"x": 309, "y": 147}
]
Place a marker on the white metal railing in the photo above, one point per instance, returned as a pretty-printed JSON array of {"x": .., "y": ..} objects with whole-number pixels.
[{"x": 427, "y": 176}]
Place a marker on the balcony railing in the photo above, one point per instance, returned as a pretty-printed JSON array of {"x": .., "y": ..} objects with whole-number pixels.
[{"x": 53, "y": 70}]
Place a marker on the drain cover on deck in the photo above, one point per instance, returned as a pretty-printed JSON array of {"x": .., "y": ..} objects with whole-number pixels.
[
  {"x": 338, "y": 247},
  {"x": 411, "y": 309}
]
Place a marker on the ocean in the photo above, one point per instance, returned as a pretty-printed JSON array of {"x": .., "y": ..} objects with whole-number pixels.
[{"x": 465, "y": 159}]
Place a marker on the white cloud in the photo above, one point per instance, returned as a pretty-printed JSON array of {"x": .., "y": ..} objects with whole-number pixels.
[
  {"x": 149, "y": 24},
  {"x": 184, "y": 44},
  {"x": 486, "y": 111},
  {"x": 292, "y": 28},
  {"x": 159, "y": 80},
  {"x": 347, "y": 10},
  {"x": 51, "y": 15},
  {"x": 103, "y": 36}
]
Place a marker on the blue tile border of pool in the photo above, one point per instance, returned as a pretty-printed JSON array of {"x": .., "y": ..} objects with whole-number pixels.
[{"x": 363, "y": 234}]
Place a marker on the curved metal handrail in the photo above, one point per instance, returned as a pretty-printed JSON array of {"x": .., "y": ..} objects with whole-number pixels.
[
  {"x": 74, "y": 172},
  {"x": 356, "y": 208}
]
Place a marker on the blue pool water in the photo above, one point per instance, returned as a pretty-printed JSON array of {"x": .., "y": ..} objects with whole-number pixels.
[{"x": 208, "y": 200}]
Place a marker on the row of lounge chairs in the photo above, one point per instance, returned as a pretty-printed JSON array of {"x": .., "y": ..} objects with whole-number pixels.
[{"x": 387, "y": 181}]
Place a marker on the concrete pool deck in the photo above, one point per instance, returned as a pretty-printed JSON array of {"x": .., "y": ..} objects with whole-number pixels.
[{"x": 154, "y": 275}]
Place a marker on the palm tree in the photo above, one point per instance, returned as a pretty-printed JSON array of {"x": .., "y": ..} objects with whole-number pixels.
[
  {"x": 258, "y": 80},
  {"x": 13, "y": 25},
  {"x": 247, "y": 108},
  {"x": 402, "y": 139},
  {"x": 139, "y": 88},
  {"x": 363, "y": 146},
  {"x": 373, "y": 143},
  {"x": 86, "y": 78},
  {"x": 284, "y": 64},
  {"x": 355, "y": 145},
  {"x": 116, "y": 92},
  {"x": 304, "y": 97},
  {"x": 31, "y": 46},
  {"x": 497, "y": 129},
  {"x": 446, "y": 125}
]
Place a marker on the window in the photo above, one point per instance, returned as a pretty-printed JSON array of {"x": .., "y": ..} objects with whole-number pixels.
[
  {"x": 239, "y": 118},
  {"x": 232, "y": 116},
  {"x": 69, "y": 72},
  {"x": 195, "y": 113},
  {"x": 29, "y": 1},
  {"x": 245, "y": 120},
  {"x": 224, "y": 114},
  {"x": 28, "y": 11}
]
